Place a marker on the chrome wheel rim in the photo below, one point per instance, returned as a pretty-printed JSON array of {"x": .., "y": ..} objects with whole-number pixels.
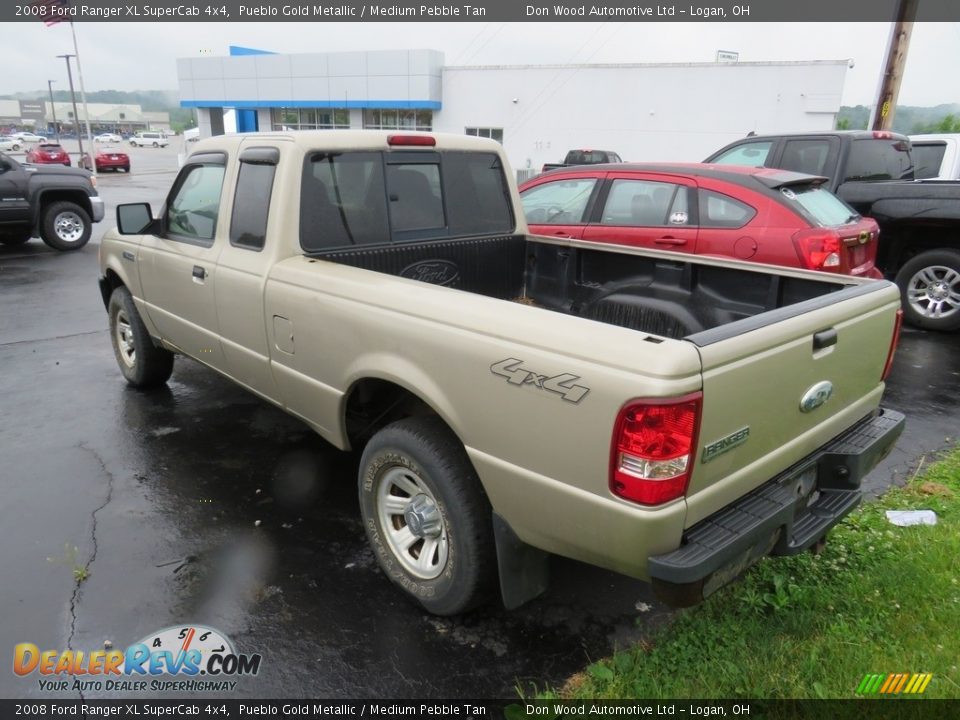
[
  {"x": 412, "y": 523},
  {"x": 124, "y": 337},
  {"x": 68, "y": 226},
  {"x": 934, "y": 292}
]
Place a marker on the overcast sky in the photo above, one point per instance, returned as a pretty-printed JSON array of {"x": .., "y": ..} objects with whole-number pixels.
[{"x": 141, "y": 56}]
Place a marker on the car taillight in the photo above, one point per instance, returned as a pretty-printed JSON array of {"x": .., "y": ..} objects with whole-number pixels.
[
  {"x": 654, "y": 447},
  {"x": 894, "y": 340},
  {"x": 819, "y": 249},
  {"x": 425, "y": 140}
]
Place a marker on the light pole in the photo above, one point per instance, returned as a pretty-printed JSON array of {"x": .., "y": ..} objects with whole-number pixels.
[
  {"x": 73, "y": 99},
  {"x": 53, "y": 109}
]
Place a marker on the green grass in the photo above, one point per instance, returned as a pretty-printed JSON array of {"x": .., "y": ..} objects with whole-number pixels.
[{"x": 879, "y": 599}]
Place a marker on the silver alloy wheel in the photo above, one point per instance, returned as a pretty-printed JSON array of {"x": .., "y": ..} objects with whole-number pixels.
[
  {"x": 412, "y": 522},
  {"x": 934, "y": 291},
  {"x": 68, "y": 226},
  {"x": 125, "y": 344}
]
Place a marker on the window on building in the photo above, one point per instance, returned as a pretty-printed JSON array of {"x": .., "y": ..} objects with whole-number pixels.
[
  {"x": 310, "y": 119},
  {"x": 492, "y": 133},
  {"x": 389, "y": 119}
]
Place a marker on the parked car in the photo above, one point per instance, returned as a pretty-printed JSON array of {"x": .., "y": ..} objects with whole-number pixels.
[
  {"x": 9, "y": 143},
  {"x": 151, "y": 139},
  {"x": 874, "y": 173},
  {"x": 48, "y": 154},
  {"x": 28, "y": 137},
  {"x": 108, "y": 138},
  {"x": 585, "y": 157},
  {"x": 936, "y": 157},
  {"x": 768, "y": 216},
  {"x": 106, "y": 160},
  {"x": 670, "y": 417}
]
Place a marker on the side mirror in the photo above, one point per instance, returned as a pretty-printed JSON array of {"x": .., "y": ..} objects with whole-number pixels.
[{"x": 134, "y": 218}]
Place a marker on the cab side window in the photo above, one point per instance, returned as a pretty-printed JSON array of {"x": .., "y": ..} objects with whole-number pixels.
[
  {"x": 751, "y": 154},
  {"x": 195, "y": 203},
  {"x": 251, "y": 201}
]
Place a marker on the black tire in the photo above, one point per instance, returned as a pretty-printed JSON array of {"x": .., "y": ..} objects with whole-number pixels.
[
  {"x": 143, "y": 364},
  {"x": 156, "y": 144},
  {"x": 930, "y": 290},
  {"x": 15, "y": 237},
  {"x": 64, "y": 225},
  {"x": 425, "y": 452}
]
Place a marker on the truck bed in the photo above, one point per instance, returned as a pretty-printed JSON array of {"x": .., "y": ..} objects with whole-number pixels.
[{"x": 657, "y": 293}]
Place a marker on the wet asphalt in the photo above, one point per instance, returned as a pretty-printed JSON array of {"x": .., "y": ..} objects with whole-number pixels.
[{"x": 181, "y": 505}]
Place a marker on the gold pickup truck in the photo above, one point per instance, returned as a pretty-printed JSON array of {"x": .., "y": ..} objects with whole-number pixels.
[{"x": 669, "y": 417}]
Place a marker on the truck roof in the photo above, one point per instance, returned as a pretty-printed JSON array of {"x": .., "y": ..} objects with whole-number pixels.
[
  {"x": 852, "y": 134},
  {"x": 354, "y": 140}
]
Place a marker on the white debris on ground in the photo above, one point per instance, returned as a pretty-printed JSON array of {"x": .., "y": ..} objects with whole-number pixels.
[{"x": 906, "y": 518}]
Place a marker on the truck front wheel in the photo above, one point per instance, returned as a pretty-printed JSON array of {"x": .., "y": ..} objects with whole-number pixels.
[
  {"x": 930, "y": 290},
  {"x": 64, "y": 225},
  {"x": 143, "y": 364},
  {"x": 426, "y": 515}
]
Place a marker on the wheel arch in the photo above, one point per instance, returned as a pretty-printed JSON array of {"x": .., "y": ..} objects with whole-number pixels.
[{"x": 45, "y": 197}]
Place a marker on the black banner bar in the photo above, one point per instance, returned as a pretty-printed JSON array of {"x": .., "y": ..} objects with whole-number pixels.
[
  {"x": 473, "y": 11},
  {"x": 875, "y": 709}
]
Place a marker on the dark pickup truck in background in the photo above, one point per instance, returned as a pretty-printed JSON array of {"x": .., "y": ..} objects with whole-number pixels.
[
  {"x": 584, "y": 157},
  {"x": 873, "y": 172},
  {"x": 58, "y": 203}
]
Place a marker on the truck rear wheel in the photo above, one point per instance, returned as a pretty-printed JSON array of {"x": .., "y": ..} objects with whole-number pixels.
[
  {"x": 143, "y": 364},
  {"x": 930, "y": 290},
  {"x": 64, "y": 225},
  {"x": 426, "y": 515}
]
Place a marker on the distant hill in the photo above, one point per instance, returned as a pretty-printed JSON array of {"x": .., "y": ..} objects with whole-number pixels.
[
  {"x": 907, "y": 119},
  {"x": 149, "y": 100}
]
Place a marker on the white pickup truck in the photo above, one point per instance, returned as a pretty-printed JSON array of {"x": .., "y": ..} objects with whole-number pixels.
[
  {"x": 936, "y": 157},
  {"x": 669, "y": 417}
]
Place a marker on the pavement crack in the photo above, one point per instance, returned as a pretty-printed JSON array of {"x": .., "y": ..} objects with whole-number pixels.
[
  {"x": 85, "y": 568},
  {"x": 47, "y": 339}
]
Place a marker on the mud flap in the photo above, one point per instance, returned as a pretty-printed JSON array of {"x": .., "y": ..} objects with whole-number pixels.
[{"x": 524, "y": 570}]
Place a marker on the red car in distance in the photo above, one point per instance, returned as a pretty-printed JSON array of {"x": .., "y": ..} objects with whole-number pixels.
[
  {"x": 106, "y": 159},
  {"x": 47, "y": 154},
  {"x": 757, "y": 214}
]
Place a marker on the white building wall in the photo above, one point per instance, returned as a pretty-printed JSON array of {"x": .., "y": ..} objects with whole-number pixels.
[{"x": 679, "y": 112}]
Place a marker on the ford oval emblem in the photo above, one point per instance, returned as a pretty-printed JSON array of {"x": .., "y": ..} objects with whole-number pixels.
[
  {"x": 816, "y": 396},
  {"x": 436, "y": 272}
]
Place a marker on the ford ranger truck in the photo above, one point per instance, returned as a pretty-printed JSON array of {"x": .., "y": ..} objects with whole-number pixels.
[{"x": 668, "y": 417}]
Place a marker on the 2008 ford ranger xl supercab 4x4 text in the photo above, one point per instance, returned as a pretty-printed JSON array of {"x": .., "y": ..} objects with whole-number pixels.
[{"x": 669, "y": 417}]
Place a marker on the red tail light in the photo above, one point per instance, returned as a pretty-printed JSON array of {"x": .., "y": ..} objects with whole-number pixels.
[
  {"x": 654, "y": 448},
  {"x": 427, "y": 140},
  {"x": 898, "y": 323},
  {"x": 819, "y": 249}
]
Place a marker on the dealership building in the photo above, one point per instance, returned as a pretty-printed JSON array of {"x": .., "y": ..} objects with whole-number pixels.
[{"x": 643, "y": 112}]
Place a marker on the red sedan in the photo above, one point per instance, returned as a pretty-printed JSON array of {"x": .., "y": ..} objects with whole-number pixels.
[
  {"x": 757, "y": 214},
  {"x": 48, "y": 154},
  {"x": 107, "y": 160}
]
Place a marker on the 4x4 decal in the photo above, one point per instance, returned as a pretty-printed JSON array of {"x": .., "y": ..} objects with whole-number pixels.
[{"x": 561, "y": 384}]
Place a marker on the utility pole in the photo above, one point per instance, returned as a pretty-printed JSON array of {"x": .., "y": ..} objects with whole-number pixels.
[
  {"x": 894, "y": 61},
  {"x": 73, "y": 99},
  {"x": 83, "y": 93},
  {"x": 53, "y": 109}
]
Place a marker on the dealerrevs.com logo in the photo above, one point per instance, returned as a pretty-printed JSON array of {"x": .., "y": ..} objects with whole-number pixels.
[{"x": 179, "y": 658}]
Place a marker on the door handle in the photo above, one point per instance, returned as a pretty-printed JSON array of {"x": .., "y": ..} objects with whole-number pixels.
[
  {"x": 561, "y": 233},
  {"x": 667, "y": 240},
  {"x": 199, "y": 273},
  {"x": 824, "y": 339}
]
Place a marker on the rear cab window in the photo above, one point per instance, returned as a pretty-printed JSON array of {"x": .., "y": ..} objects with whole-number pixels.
[
  {"x": 878, "y": 159},
  {"x": 927, "y": 159},
  {"x": 366, "y": 198}
]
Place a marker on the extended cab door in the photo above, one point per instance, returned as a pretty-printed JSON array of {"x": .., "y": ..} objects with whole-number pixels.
[
  {"x": 178, "y": 266},
  {"x": 646, "y": 210},
  {"x": 14, "y": 204},
  {"x": 242, "y": 269}
]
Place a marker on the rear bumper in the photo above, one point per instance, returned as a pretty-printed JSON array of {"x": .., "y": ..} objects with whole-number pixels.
[{"x": 785, "y": 516}]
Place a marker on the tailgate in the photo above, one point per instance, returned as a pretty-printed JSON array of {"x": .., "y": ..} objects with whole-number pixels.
[{"x": 826, "y": 355}]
